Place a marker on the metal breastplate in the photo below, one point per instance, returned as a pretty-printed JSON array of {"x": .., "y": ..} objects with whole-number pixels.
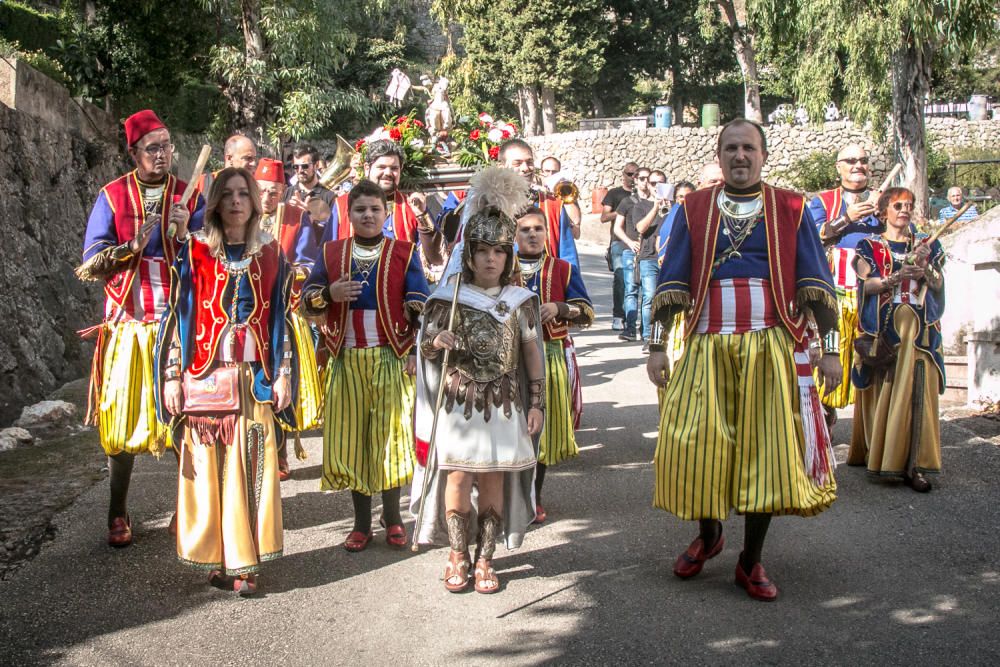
[{"x": 482, "y": 372}]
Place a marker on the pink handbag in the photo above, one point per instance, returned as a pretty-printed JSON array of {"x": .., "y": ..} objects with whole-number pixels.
[{"x": 215, "y": 394}]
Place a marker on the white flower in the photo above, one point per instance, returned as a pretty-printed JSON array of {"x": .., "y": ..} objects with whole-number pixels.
[
  {"x": 507, "y": 127},
  {"x": 486, "y": 118},
  {"x": 380, "y": 133},
  {"x": 495, "y": 135},
  {"x": 416, "y": 144}
]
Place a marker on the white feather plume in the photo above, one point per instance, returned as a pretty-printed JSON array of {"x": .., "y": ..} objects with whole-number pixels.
[{"x": 496, "y": 187}]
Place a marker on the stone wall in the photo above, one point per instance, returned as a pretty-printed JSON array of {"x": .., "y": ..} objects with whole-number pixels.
[
  {"x": 48, "y": 180},
  {"x": 595, "y": 157}
]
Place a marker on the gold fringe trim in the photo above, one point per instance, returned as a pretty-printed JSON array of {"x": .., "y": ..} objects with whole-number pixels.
[
  {"x": 414, "y": 308},
  {"x": 672, "y": 297},
  {"x": 807, "y": 295},
  {"x": 97, "y": 268},
  {"x": 586, "y": 317}
]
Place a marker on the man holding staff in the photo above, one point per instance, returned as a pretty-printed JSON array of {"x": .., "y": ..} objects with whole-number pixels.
[
  {"x": 845, "y": 215},
  {"x": 127, "y": 246}
]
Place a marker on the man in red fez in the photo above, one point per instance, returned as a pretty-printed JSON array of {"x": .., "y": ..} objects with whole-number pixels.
[
  {"x": 127, "y": 247},
  {"x": 298, "y": 238}
]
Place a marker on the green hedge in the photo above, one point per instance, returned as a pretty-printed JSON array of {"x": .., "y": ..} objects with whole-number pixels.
[{"x": 33, "y": 30}]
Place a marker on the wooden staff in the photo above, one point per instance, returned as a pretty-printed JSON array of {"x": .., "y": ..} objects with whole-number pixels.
[
  {"x": 890, "y": 178},
  {"x": 428, "y": 469},
  {"x": 934, "y": 237},
  {"x": 199, "y": 167},
  {"x": 279, "y": 220}
]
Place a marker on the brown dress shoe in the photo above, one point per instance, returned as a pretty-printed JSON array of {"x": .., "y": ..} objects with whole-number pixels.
[{"x": 120, "y": 532}]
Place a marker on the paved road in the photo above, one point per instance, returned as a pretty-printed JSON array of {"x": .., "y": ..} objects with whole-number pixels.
[{"x": 885, "y": 576}]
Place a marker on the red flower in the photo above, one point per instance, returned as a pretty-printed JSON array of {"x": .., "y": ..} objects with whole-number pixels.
[
  {"x": 395, "y": 134},
  {"x": 474, "y": 135},
  {"x": 494, "y": 152},
  {"x": 417, "y": 123},
  {"x": 358, "y": 144},
  {"x": 402, "y": 119},
  {"x": 506, "y": 134}
]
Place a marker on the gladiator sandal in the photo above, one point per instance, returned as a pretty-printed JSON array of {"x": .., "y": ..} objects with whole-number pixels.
[
  {"x": 456, "y": 572},
  {"x": 489, "y": 528}
]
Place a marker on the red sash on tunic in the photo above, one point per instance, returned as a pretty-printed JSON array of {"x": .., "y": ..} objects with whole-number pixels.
[
  {"x": 552, "y": 287},
  {"x": 390, "y": 292},
  {"x": 783, "y": 211},
  {"x": 209, "y": 280},
  {"x": 125, "y": 199},
  {"x": 553, "y": 214}
]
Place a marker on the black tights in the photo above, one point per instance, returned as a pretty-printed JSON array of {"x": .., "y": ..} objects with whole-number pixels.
[
  {"x": 120, "y": 468},
  {"x": 363, "y": 509},
  {"x": 754, "y": 531},
  {"x": 539, "y": 480}
]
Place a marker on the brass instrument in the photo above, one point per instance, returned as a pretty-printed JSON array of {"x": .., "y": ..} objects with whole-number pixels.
[
  {"x": 339, "y": 168},
  {"x": 566, "y": 191}
]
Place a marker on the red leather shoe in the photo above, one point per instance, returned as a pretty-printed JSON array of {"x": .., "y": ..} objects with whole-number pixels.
[
  {"x": 120, "y": 532},
  {"x": 395, "y": 536},
  {"x": 284, "y": 472},
  {"x": 693, "y": 559},
  {"x": 358, "y": 541},
  {"x": 540, "y": 514},
  {"x": 756, "y": 584}
]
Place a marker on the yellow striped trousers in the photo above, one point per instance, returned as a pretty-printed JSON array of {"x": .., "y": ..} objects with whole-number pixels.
[
  {"x": 730, "y": 431},
  {"x": 126, "y": 409},
  {"x": 368, "y": 422},
  {"x": 558, "y": 441},
  {"x": 843, "y": 395},
  {"x": 309, "y": 399}
]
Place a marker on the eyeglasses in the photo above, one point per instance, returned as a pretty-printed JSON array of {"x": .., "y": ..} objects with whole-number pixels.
[
  {"x": 300, "y": 167},
  {"x": 854, "y": 160},
  {"x": 902, "y": 206},
  {"x": 157, "y": 149},
  {"x": 630, "y": 174}
]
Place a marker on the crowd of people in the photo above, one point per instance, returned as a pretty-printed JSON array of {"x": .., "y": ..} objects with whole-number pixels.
[{"x": 437, "y": 351}]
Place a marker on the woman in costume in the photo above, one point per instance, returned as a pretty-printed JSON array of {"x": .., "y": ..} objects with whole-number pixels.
[
  {"x": 897, "y": 431},
  {"x": 224, "y": 366},
  {"x": 482, "y": 452},
  {"x": 564, "y": 303},
  {"x": 368, "y": 290}
]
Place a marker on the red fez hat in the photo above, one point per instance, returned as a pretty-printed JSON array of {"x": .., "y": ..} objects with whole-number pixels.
[
  {"x": 270, "y": 170},
  {"x": 140, "y": 124}
]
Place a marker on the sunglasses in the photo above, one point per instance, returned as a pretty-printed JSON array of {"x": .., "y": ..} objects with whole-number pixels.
[
  {"x": 902, "y": 206},
  {"x": 300, "y": 167},
  {"x": 630, "y": 174},
  {"x": 855, "y": 160},
  {"x": 642, "y": 178}
]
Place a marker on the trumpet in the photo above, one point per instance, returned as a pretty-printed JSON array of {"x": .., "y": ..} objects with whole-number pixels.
[{"x": 566, "y": 191}]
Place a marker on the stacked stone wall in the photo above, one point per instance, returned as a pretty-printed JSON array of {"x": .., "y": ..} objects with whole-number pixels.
[{"x": 595, "y": 157}]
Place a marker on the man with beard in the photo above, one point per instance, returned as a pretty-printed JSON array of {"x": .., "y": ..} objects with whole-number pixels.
[
  {"x": 741, "y": 428},
  {"x": 127, "y": 246},
  {"x": 408, "y": 218},
  {"x": 845, "y": 215},
  {"x": 563, "y": 219}
]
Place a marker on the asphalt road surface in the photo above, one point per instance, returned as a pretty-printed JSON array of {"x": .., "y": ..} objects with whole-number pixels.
[{"x": 886, "y": 576}]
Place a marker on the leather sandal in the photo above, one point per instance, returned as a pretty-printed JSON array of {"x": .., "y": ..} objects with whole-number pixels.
[
  {"x": 485, "y": 575},
  {"x": 457, "y": 568},
  {"x": 358, "y": 541},
  {"x": 120, "y": 532},
  {"x": 245, "y": 585},
  {"x": 284, "y": 472}
]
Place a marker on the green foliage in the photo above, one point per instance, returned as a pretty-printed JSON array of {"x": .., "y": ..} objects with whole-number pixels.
[
  {"x": 968, "y": 176},
  {"x": 937, "y": 163},
  {"x": 37, "y": 59},
  {"x": 31, "y": 29},
  {"x": 813, "y": 173}
]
